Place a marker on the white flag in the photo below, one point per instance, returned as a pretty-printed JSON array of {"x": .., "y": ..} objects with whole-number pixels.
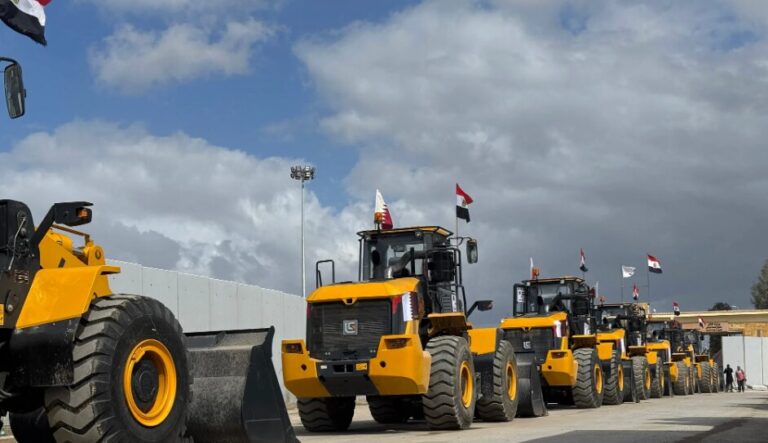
[{"x": 627, "y": 271}]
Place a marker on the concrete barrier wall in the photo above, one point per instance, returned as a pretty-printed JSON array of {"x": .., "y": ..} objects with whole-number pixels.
[
  {"x": 751, "y": 353},
  {"x": 204, "y": 304}
]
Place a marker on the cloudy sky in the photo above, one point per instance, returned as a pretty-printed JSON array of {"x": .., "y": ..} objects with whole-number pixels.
[{"x": 617, "y": 127}]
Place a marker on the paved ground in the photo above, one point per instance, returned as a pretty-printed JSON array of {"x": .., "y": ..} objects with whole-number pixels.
[{"x": 707, "y": 418}]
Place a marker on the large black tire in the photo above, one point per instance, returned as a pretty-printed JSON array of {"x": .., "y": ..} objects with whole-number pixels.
[
  {"x": 501, "y": 403},
  {"x": 451, "y": 398},
  {"x": 588, "y": 392},
  {"x": 706, "y": 378},
  {"x": 694, "y": 384},
  {"x": 389, "y": 409},
  {"x": 657, "y": 380},
  {"x": 111, "y": 336},
  {"x": 680, "y": 385},
  {"x": 31, "y": 427},
  {"x": 326, "y": 414},
  {"x": 642, "y": 377},
  {"x": 614, "y": 382},
  {"x": 715, "y": 378}
]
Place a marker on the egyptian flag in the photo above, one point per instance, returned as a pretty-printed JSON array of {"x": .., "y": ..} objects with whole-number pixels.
[
  {"x": 583, "y": 263},
  {"x": 654, "y": 265},
  {"x": 702, "y": 325},
  {"x": 26, "y": 17},
  {"x": 381, "y": 215},
  {"x": 462, "y": 203},
  {"x": 635, "y": 291},
  {"x": 675, "y": 308}
]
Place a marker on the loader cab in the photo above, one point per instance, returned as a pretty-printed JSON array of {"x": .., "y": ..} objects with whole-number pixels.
[
  {"x": 565, "y": 294},
  {"x": 423, "y": 252},
  {"x": 629, "y": 317}
]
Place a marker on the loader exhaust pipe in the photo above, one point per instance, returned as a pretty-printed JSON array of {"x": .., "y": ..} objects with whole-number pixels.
[{"x": 236, "y": 397}]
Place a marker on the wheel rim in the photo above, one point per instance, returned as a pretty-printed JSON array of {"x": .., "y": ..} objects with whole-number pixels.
[
  {"x": 647, "y": 379},
  {"x": 149, "y": 382},
  {"x": 511, "y": 382},
  {"x": 598, "y": 379},
  {"x": 467, "y": 385},
  {"x": 621, "y": 378}
]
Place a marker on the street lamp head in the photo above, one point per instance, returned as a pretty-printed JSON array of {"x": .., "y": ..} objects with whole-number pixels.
[{"x": 303, "y": 173}]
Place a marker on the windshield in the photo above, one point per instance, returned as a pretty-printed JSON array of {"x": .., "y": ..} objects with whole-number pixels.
[
  {"x": 543, "y": 296},
  {"x": 389, "y": 256},
  {"x": 608, "y": 316}
]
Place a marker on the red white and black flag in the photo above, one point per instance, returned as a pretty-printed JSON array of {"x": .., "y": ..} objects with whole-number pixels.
[
  {"x": 653, "y": 264},
  {"x": 583, "y": 261},
  {"x": 635, "y": 291},
  {"x": 26, "y": 17},
  {"x": 702, "y": 324},
  {"x": 675, "y": 308},
  {"x": 462, "y": 203}
]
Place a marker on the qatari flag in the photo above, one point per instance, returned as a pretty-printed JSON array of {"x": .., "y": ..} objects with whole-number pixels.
[{"x": 26, "y": 17}]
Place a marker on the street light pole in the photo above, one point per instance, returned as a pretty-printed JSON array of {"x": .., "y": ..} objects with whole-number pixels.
[{"x": 302, "y": 174}]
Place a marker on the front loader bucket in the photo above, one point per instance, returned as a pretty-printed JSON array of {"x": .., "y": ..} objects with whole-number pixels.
[
  {"x": 236, "y": 397},
  {"x": 532, "y": 402}
]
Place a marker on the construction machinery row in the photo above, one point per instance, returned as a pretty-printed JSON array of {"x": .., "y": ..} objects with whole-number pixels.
[
  {"x": 81, "y": 364},
  {"x": 400, "y": 336}
]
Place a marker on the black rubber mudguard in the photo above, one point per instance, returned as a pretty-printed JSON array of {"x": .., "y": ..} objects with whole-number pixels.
[
  {"x": 236, "y": 397},
  {"x": 532, "y": 402}
]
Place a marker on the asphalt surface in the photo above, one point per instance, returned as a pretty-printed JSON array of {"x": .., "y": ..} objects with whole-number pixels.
[{"x": 723, "y": 417}]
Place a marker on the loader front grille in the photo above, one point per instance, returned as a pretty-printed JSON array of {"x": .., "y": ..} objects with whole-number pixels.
[
  {"x": 336, "y": 331},
  {"x": 536, "y": 340}
]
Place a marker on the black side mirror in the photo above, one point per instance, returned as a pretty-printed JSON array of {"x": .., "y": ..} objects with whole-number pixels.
[
  {"x": 14, "y": 90},
  {"x": 480, "y": 305},
  {"x": 472, "y": 250},
  {"x": 72, "y": 214}
]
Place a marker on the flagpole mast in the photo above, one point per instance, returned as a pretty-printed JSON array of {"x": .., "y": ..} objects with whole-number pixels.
[
  {"x": 622, "y": 285},
  {"x": 648, "y": 276}
]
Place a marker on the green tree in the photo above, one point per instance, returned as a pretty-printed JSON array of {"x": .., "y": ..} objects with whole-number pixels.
[
  {"x": 721, "y": 306},
  {"x": 760, "y": 289}
]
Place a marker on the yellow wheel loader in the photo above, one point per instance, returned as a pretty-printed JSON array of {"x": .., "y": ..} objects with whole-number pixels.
[
  {"x": 560, "y": 356},
  {"x": 706, "y": 368},
  {"x": 649, "y": 359},
  {"x": 400, "y": 336},
  {"x": 80, "y": 364},
  {"x": 683, "y": 367}
]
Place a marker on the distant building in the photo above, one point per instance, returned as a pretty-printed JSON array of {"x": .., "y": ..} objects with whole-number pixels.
[{"x": 747, "y": 322}]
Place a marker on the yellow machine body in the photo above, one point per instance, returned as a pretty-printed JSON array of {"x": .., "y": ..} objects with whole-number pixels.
[
  {"x": 68, "y": 280},
  {"x": 559, "y": 369}
]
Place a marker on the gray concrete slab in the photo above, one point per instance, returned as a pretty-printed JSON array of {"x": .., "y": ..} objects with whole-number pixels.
[{"x": 709, "y": 418}]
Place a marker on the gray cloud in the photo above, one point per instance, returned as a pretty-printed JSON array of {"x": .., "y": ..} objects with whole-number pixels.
[
  {"x": 178, "y": 202},
  {"x": 640, "y": 128}
]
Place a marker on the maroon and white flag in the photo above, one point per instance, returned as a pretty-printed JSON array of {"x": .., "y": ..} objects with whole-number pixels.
[
  {"x": 702, "y": 324},
  {"x": 653, "y": 264},
  {"x": 381, "y": 216},
  {"x": 675, "y": 308},
  {"x": 26, "y": 17},
  {"x": 635, "y": 291}
]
